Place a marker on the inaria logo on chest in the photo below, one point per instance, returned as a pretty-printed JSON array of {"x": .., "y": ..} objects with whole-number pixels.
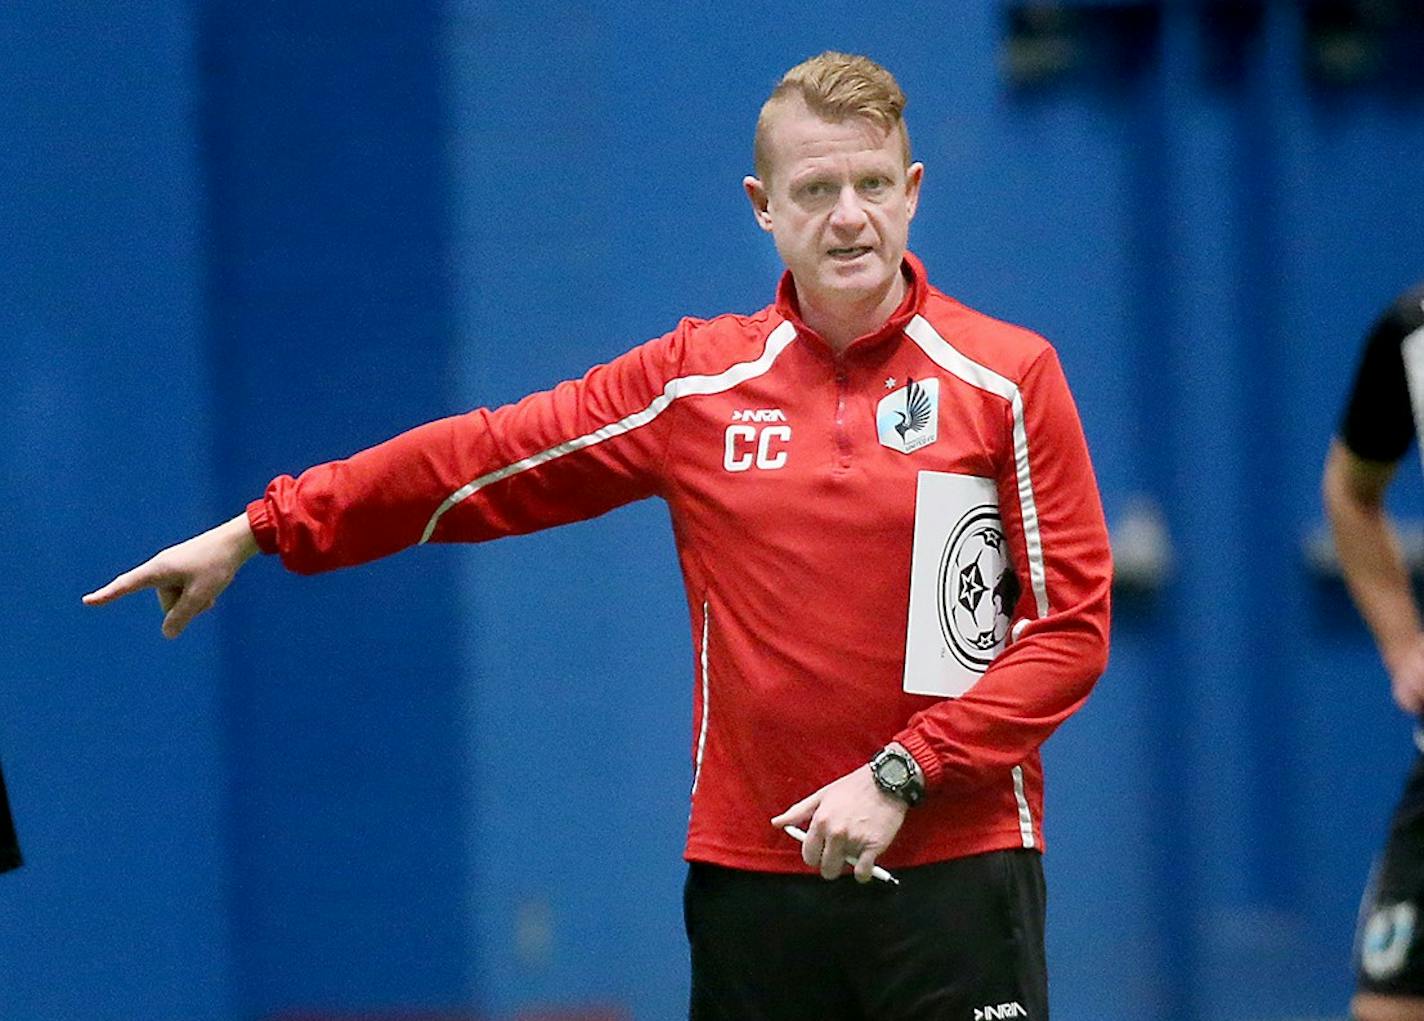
[
  {"x": 908, "y": 419},
  {"x": 759, "y": 415}
]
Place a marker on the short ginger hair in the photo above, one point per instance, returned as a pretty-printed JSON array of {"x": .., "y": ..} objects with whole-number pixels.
[{"x": 836, "y": 87}]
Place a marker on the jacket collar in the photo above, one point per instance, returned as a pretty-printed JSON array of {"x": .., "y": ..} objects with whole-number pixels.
[{"x": 790, "y": 308}]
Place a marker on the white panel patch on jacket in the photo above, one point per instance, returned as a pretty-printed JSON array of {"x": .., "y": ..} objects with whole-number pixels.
[{"x": 962, "y": 585}]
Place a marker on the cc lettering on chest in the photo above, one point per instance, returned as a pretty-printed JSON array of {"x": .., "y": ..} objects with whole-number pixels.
[{"x": 758, "y": 438}]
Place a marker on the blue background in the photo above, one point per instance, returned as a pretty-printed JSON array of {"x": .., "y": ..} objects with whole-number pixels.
[{"x": 239, "y": 238}]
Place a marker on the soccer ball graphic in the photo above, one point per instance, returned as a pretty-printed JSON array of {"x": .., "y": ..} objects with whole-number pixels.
[{"x": 978, "y": 589}]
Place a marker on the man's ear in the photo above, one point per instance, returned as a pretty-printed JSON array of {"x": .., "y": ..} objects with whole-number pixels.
[
  {"x": 913, "y": 176},
  {"x": 760, "y": 199}
]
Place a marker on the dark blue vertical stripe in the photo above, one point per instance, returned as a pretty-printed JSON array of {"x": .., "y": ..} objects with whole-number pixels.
[
  {"x": 1156, "y": 306},
  {"x": 331, "y": 328},
  {"x": 1265, "y": 341}
]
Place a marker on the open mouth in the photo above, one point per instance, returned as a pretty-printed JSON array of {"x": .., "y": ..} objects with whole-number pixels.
[{"x": 848, "y": 253}]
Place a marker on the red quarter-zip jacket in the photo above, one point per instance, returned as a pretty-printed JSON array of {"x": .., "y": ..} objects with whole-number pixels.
[{"x": 793, "y": 503}]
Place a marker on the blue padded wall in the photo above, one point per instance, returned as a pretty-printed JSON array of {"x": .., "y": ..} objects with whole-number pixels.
[{"x": 111, "y": 737}]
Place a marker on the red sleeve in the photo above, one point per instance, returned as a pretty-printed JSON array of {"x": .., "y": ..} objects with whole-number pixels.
[
  {"x": 563, "y": 455},
  {"x": 1045, "y": 674}
]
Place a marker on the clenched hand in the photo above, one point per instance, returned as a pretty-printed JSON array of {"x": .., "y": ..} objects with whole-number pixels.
[{"x": 850, "y": 816}]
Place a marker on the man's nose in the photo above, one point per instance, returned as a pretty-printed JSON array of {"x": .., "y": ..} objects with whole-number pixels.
[{"x": 848, "y": 211}]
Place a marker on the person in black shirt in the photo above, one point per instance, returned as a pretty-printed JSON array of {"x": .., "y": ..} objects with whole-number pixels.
[
  {"x": 9, "y": 846},
  {"x": 1379, "y": 425}
]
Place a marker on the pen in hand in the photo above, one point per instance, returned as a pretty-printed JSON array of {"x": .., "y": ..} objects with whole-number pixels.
[{"x": 851, "y": 860}]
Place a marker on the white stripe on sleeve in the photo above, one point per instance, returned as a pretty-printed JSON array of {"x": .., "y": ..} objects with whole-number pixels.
[{"x": 685, "y": 386}]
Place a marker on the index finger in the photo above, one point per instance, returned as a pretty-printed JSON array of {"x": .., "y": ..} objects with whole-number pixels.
[
  {"x": 801, "y": 812},
  {"x": 141, "y": 577}
]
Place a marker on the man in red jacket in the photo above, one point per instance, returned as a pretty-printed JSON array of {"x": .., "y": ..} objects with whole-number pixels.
[{"x": 896, "y": 568}]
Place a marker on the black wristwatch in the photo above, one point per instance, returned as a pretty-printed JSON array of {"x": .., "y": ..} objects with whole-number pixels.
[{"x": 897, "y": 773}]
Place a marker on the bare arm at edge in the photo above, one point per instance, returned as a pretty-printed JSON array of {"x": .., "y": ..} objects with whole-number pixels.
[{"x": 1374, "y": 568}]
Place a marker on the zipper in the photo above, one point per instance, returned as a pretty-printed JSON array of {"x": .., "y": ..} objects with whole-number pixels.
[{"x": 842, "y": 433}]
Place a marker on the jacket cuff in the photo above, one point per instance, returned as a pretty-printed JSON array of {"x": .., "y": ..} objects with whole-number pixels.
[
  {"x": 928, "y": 762},
  {"x": 264, "y": 529}
]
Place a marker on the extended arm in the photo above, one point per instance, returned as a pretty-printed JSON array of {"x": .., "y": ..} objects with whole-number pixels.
[
  {"x": 563, "y": 455},
  {"x": 1373, "y": 567}
]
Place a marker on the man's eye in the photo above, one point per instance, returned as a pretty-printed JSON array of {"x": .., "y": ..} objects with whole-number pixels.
[
  {"x": 874, "y": 184},
  {"x": 818, "y": 189}
]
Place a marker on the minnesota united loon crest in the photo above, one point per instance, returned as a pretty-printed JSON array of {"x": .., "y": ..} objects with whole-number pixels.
[{"x": 908, "y": 419}]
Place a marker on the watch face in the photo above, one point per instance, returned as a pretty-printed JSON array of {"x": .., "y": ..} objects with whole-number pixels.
[{"x": 893, "y": 772}]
